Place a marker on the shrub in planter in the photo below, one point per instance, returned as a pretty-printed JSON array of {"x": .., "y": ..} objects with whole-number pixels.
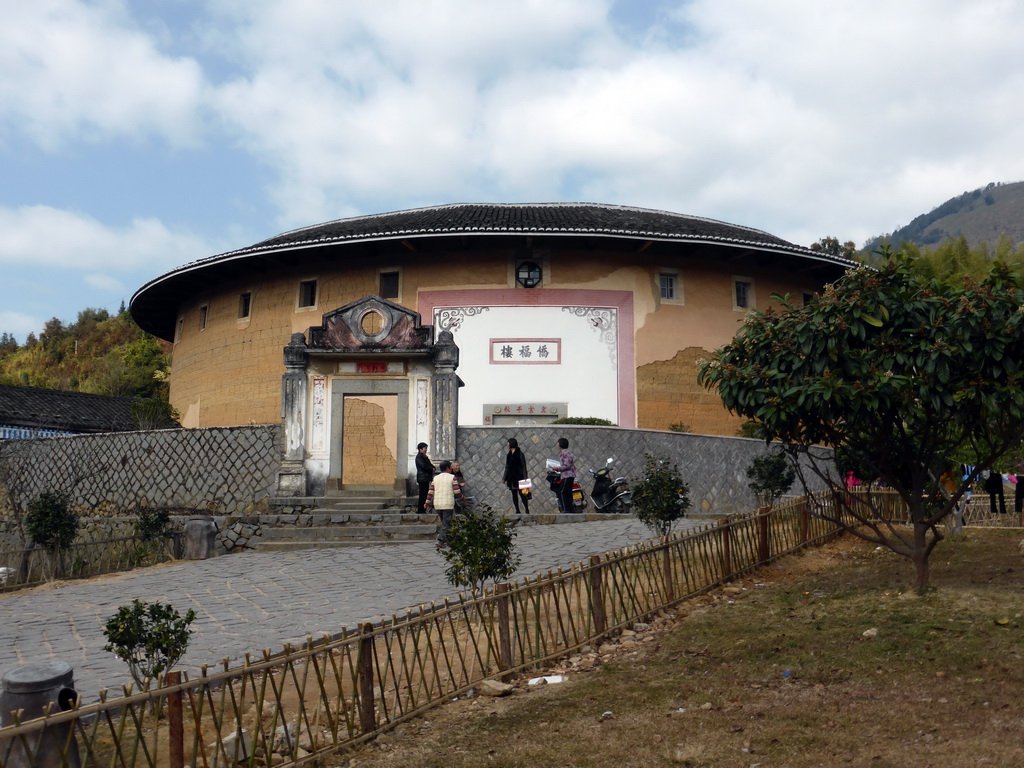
[
  {"x": 770, "y": 475},
  {"x": 660, "y": 497},
  {"x": 50, "y": 524},
  {"x": 481, "y": 546},
  {"x": 149, "y": 637}
]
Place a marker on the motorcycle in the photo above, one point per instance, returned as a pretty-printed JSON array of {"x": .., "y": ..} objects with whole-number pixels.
[
  {"x": 579, "y": 501},
  {"x": 610, "y": 495}
]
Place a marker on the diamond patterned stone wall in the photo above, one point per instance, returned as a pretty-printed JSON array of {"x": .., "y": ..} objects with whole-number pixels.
[
  {"x": 222, "y": 470},
  {"x": 715, "y": 467},
  {"x": 231, "y": 471}
]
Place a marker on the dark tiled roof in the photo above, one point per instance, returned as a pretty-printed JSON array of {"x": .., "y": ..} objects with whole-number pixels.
[
  {"x": 525, "y": 219},
  {"x": 66, "y": 411},
  {"x": 537, "y": 218},
  {"x": 154, "y": 304}
]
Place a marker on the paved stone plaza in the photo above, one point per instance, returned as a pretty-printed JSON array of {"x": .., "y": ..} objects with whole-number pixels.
[{"x": 257, "y": 600}]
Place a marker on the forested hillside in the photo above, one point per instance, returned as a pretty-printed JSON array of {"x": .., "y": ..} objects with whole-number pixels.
[
  {"x": 98, "y": 353},
  {"x": 978, "y": 216}
]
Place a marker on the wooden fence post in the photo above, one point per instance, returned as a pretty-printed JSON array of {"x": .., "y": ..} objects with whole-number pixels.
[
  {"x": 504, "y": 633},
  {"x": 597, "y": 595},
  {"x": 804, "y": 521},
  {"x": 364, "y": 673},
  {"x": 668, "y": 573},
  {"x": 725, "y": 526},
  {"x": 762, "y": 535},
  {"x": 175, "y": 724}
]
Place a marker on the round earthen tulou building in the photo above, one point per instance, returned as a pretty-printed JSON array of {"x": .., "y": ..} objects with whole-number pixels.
[{"x": 374, "y": 333}]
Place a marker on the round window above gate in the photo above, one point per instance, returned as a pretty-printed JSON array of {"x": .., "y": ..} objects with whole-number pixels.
[{"x": 372, "y": 322}]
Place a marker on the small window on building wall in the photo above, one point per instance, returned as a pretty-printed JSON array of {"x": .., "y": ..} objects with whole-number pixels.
[
  {"x": 179, "y": 329},
  {"x": 670, "y": 287},
  {"x": 307, "y": 293},
  {"x": 203, "y": 311},
  {"x": 244, "y": 305},
  {"x": 743, "y": 288},
  {"x": 389, "y": 284},
  {"x": 667, "y": 281}
]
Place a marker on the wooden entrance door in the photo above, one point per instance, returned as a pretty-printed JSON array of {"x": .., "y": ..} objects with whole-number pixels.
[{"x": 369, "y": 440}]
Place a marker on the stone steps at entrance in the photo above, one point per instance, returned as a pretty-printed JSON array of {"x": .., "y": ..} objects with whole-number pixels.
[
  {"x": 351, "y": 502},
  {"x": 334, "y": 528}
]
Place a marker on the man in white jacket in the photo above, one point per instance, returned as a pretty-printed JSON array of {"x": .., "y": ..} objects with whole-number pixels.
[{"x": 441, "y": 497}]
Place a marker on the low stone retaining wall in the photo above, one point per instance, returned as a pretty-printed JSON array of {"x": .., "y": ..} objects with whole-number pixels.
[
  {"x": 234, "y": 534},
  {"x": 231, "y": 472},
  {"x": 222, "y": 470},
  {"x": 714, "y": 467}
]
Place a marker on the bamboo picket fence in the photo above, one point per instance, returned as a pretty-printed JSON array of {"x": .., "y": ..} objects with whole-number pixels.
[
  {"x": 31, "y": 566},
  {"x": 305, "y": 703}
]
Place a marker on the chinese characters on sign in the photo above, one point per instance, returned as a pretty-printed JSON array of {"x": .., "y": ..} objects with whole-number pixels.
[
  {"x": 526, "y": 351},
  {"x": 522, "y": 413}
]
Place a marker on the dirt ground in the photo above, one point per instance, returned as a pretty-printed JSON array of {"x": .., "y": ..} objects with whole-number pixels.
[{"x": 825, "y": 658}]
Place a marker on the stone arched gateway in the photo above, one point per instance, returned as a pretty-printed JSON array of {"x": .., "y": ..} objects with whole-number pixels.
[{"x": 359, "y": 393}]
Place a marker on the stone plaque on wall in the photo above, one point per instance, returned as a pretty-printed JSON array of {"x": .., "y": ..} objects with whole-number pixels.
[{"x": 523, "y": 413}]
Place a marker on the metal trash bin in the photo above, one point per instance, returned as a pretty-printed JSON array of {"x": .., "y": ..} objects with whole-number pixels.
[
  {"x": 47, "y": 686},
  {"x": 200, "y": 537}
]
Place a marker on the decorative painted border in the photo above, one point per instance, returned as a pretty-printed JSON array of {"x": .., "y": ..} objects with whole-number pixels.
[
  {"x": 318, "y": 415},
  {"x": 622, "y": 301}
]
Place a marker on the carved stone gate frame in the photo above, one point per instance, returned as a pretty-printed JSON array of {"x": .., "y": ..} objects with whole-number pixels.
[{"x": 369, "y": 347}]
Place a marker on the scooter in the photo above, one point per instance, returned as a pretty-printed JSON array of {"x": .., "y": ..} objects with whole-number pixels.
[
  {"x": 610, "y": 495},
  {"x": 579, "y": 500}
]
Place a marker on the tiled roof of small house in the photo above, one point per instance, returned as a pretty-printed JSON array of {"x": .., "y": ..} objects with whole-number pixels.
[
  {"x": 76, "y": 412},
  {"x": 153, "y": 306}
]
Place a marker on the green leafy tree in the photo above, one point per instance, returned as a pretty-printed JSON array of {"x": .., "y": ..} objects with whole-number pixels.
[
  {"x": 152, "y": 529},
  {"x": 149, "y": 637},
  {"x": 97, "y": 353},
  {"x": 660, "y": 497},
  {"x": 51, "y": 524},
  {"x": 153, "y": 524},
  {"x": 770, "y": 475},
  {"x": 833, "y": 247},
  {"x": 154, "y": 413},
  {"x": 900, "y": 374},
  {"x": 481, "y": 546},
  {"x": 749, "y": 428}
]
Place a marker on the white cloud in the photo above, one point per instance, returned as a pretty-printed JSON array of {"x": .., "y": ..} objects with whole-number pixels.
[
  {"x": 52, "y": 238},
  {"x": 802, "y": 118},
  {"x": 371, "y": 103},
  {"x": 106, "y": 284},
  {"x": 19, "y": 324},
  {"x": 76, "y": 70}
]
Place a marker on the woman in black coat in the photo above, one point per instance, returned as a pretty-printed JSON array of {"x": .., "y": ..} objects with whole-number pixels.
[{"x": 515, "y": 470}]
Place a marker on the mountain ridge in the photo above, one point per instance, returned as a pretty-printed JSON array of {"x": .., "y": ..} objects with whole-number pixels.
[{"x": 980, "y": 215}]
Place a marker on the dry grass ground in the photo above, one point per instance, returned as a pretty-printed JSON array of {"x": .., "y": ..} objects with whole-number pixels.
[{"x": 824, "y": 659}]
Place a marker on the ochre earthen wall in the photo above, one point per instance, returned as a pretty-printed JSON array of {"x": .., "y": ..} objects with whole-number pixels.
[
  {"x": 230, "y": 372},
  {"x": 668, "y": 393}
]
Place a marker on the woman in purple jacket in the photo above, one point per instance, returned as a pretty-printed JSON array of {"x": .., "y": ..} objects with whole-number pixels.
[{"x": 567, "y": 470}]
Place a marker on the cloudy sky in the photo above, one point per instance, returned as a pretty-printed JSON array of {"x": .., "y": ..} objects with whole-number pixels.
[{"x": 138, "y": 135}]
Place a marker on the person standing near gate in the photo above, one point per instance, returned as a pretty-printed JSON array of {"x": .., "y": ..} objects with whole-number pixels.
[
  {"x": 567, "y": 470},
  {"x": 443, "y": 493},
  {"x": 515, "y": 470},
  {"x": 424, "y": 474}
]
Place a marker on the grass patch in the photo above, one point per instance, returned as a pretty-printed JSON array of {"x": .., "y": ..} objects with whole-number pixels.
[{"x": 824, "y": 659}]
